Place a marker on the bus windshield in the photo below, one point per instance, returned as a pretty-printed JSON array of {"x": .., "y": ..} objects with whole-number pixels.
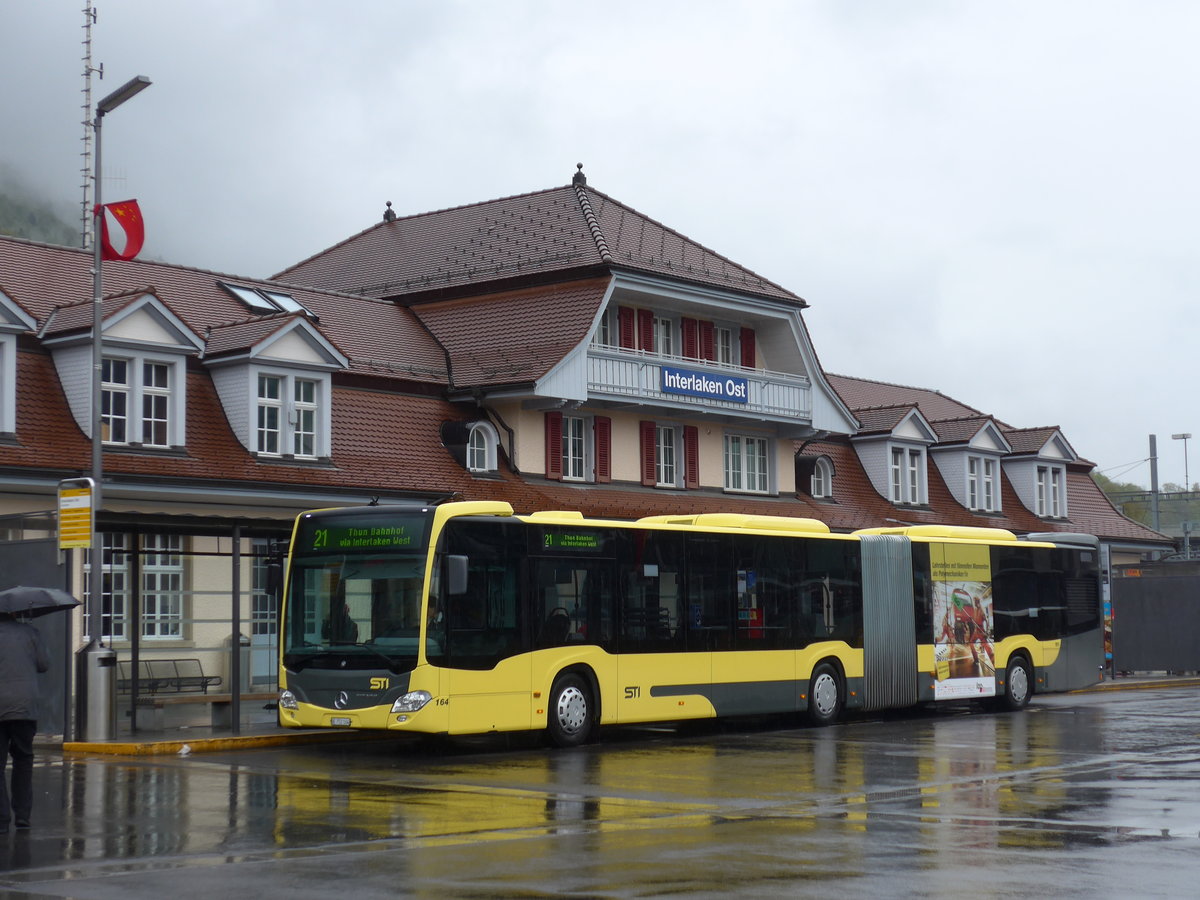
[
  {"x": 368, "y": 610},
  {"x": 355, "y": 592}
]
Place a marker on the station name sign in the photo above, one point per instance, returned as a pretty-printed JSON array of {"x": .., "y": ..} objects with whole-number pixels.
[{"x": 729, "y": 388}]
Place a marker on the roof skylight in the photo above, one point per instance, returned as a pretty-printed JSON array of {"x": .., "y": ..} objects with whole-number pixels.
[{"x": 262, "y": 300}]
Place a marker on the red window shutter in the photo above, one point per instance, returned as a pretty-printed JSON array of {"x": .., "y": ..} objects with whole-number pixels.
[
  {"x": 691, "y": 338},
  {"x": 748, "y": 360},
  {"x": 602, "y": 426},
  {"x": 645, "y": 330},
  {"x": 625, "y": 325},
  {"x": 649, "y": 441},
  {"x": 691, "y": 456},
  {"x": 554, "y": 457},
  {"x": 708, "y": 341}
]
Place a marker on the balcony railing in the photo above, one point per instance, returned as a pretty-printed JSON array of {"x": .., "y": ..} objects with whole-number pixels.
[{"x": 635, "y": 374}]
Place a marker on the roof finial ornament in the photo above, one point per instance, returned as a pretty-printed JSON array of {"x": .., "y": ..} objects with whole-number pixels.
[
  {"x": 389, "y": 214},
  {"x": 579, "y": 179}
]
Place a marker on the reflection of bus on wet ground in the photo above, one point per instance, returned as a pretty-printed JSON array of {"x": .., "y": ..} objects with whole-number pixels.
[{"x": 464, "y": 618}]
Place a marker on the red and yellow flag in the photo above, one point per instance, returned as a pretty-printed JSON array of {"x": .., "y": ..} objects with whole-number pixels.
[{"x": 129, "y": 217}]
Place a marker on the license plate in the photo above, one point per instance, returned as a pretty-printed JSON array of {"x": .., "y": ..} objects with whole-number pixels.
[{"x": 340, "y": 721}]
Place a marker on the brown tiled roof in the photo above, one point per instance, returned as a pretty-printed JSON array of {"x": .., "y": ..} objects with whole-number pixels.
[
  {"x": 561, "y": 232},
  {"x": 386, "y": 438},
  {"x": 959, "y": 431},
  {"x": 552, "y": 321},
  {"x": 78, "y": 316},
  {"x": 240, "y": 336},
  {"x": 856, "y": 504},
  {"x": 377, "y": 337},
  {"x": 863, "y": 393},
  {"x": 1029, "y": 440},
  {"x": 881, "y": 419}
]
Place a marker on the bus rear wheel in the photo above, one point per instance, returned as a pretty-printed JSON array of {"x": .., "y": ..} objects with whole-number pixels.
[
  {"x": 826, "y": 695},
  {"x": 570, "y": 719},
  {"x": 1018, "y": 684}
]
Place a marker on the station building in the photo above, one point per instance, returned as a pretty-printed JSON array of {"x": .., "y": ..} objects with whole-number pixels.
[{"x": 556, "y": 350}]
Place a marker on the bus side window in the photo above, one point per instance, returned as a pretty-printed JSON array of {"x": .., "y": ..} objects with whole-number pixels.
[
  {"x": 651, "y": 615},
  {"x": 485, "y": 623}
]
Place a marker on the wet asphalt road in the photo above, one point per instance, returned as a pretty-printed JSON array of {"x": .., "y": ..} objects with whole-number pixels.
[{"x": 1084, "y": 795}]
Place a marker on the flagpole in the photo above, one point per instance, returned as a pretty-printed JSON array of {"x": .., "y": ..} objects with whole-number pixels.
[{"x": 101, "y": 712}]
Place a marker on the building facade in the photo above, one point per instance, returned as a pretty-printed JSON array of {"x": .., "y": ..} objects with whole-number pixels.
[{"x": 556, "y": 350}]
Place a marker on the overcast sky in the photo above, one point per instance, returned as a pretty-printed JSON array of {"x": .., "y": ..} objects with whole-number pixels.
[{"x": 994, "y": 200}]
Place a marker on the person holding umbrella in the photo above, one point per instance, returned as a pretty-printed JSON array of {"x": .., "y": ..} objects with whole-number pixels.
[{"x": 22, "y": 657}]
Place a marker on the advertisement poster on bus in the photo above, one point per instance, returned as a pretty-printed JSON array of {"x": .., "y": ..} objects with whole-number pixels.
[{"x": 962, "y": 619}]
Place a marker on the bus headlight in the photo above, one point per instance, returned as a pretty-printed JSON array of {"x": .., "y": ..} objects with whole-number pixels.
[
  {"x": 287, "y": 700},
  {"x": 411, "y": 702}
]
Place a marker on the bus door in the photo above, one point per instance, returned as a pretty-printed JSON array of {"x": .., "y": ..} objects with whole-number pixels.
[
  {"x": 658, "y": 677},
  {"x": 480, "y": 637}
]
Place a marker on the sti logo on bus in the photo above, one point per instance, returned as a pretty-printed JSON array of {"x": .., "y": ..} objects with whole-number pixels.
[{"x": 380, "y": 684}]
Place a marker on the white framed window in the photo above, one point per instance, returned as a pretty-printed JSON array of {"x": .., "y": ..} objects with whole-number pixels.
[
  {"x": 908, "y": 475},
  {"x": 162, "y": 586},
  {"x": 664, "y": 336},
  {"x": 746, "y": 464},
  {"x": 605, "y": 330},
  {"x": 304, "y": 417},
  {"x": 291, "y": 415},
  {"x": 574, "y": 448},
  {"x": 982, "y": 492},
  {"x": 8, "y": 364},
  {"x": 139, "y": 403},
  {"x": 114, "y": 401},
  {"x": 666, "y": 456},
  {"x": 1051, "y": 495},
  {"x": 156, "y": 404},
  {"x": 270, "y": 413},
  {"x": 723, "y": 340},
  {"x": 821, "y": 484},
  {"x": 263, "y": 610},
  {"x": 482, "y": 443},
  {"x": 114, "y": 585}
]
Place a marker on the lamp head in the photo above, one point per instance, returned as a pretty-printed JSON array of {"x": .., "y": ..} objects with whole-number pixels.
[{"x": 133, "y": 86}]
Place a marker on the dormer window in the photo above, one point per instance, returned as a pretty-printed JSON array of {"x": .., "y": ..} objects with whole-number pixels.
[
  {"x": 138, "y": 403},
  {"x": 821, "y": 485},
  {"x": 1051, "y": 495},
  {"x": 482, "y": 443},
  {"x": 289, "y": 409},
  {"x": 13, "y": 321},
  {"x": 908, "y": 476},
  {"x": 982, "y": 493}
]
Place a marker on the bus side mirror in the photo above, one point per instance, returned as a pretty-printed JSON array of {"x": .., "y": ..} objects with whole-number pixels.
[
  {"x": 456, "y": 575},
  {"x": 275, "y": 556}
]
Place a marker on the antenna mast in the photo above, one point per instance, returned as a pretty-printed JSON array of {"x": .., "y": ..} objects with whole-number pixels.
[{"x": 85, "y": 223}]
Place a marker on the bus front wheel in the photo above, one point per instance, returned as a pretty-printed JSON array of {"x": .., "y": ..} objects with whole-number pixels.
[
  {"x": 826, "y": 695},
  {"x": 570, "y": 718},
  {"x": 1018, "y": 684}
]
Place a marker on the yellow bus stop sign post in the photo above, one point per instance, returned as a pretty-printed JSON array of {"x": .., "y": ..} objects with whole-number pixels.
[{"x": 76, "y": 514}]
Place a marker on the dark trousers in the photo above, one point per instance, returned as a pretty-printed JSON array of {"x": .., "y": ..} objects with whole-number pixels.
[{"x": 16, "y": 740}]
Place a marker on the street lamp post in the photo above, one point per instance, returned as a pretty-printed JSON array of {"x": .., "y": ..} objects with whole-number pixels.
[
  {"x": 100, "y": 723},
  {"x": 1187, "y": 483}
]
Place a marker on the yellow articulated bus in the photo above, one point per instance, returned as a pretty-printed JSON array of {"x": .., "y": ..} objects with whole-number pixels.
[{"x": 463, "y": 618}]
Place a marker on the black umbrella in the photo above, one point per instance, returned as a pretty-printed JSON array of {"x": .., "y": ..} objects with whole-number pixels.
[{"x": 34, "y": 601}]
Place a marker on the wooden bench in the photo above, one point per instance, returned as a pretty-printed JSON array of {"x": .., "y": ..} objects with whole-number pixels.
[
  {"x": 151, "y": 708},
  {"x": 171, "y": 676}
]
